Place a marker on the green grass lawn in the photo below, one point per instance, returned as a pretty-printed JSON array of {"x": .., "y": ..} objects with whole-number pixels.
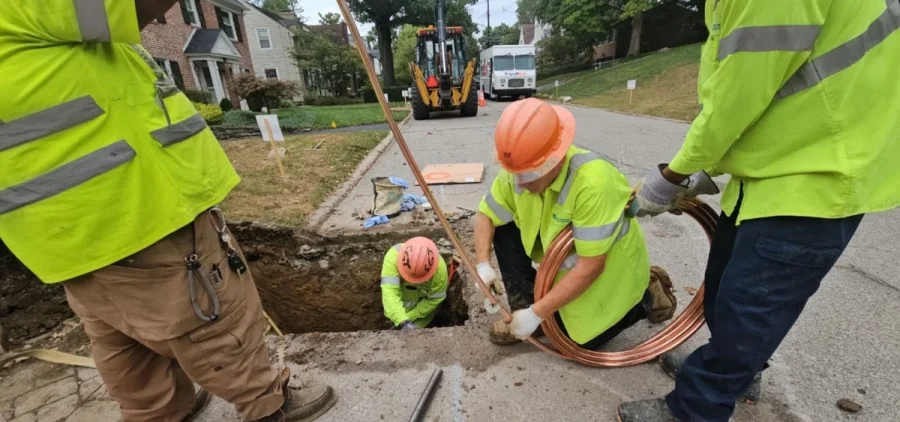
[
  {"x": 342, "y": 116},
  {"x": 666, "y": 85},
  {"x": 319, "y": 117},
  {"x": 312, "y": 174}
]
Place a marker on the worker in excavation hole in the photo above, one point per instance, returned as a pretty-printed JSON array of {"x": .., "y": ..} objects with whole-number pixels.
[
  {"x": 546, "y": 184},
  {"x": 413, "y": 283}
]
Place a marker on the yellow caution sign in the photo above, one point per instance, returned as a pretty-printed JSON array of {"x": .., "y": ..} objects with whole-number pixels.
[{"x": 333, "y": 124}]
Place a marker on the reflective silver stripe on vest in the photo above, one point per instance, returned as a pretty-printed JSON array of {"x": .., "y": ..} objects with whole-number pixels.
[
  {"x": 65, "y": 177},
  {"x": 626, "y": 225},
  {"x": 769, "y": 38},
  {"x": 575, "y": 162},
  {"x": 410, "y": 304},
  {"x": 180, "y": 131},
  {"x": 398, "y": 246},
  {"x": 498, "y": 209},
  {"x": 597, "y": 232},
  {"x": 438, "y": 295},
  {"x": 390, "y": 280},
  {"x": 47, "y": 122},
  {"x": 570, "y": 261},
  {"x": 92, "y": 20},
  {"x": 845, "y": 55}
]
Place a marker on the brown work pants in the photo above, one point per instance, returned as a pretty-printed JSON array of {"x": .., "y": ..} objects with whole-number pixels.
[{"x": 149, "y": 344}]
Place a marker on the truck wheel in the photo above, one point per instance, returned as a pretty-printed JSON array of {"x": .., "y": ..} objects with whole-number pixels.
[
  {"x": 470, "y": 107},
  {"x": 420, "y": 111}
]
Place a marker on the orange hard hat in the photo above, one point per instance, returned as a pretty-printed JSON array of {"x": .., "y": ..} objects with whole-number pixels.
[
  {"x": 532, "y": 137},
  {"x": 418, "y": 260}
]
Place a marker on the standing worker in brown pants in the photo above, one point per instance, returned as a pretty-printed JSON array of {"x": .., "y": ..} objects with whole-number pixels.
[{"x": 107, "y": 183}]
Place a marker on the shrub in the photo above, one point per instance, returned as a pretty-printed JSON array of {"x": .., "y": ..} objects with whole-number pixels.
[
  {"x": 226, "y": 105},
  {"x": 395, "y": 93},
  {"x": 330, "y": 101},
  {"x": 210, "y": 113},
  {"x": 261, "y": 92},
  {"x": 198, "y": 96},
  {"x": 238, "y": 118}
]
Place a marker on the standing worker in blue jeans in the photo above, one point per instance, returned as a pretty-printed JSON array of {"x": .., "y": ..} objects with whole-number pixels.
[{"x": 799, "y": 105}]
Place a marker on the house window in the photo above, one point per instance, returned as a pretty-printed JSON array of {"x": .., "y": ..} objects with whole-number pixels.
[
  {"x": 271, "y": 73},
  {"x": 191, "y": 7},
  {"x": 228, "y": 24},
  {"x": 265, "y": 41}
]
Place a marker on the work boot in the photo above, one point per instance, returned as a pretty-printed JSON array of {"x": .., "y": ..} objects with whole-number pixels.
[
  {"x": 653, "y": 410},
  {"x": 500, "y": 335},
  {"x": 201, "y": 399},
  {"x": 664, "y": 302},
  {"x": 302, "y": 404},
  {"x": 671, "y": 363}
]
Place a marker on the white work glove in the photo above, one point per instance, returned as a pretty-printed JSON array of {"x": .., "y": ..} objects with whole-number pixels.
[
  {"x": 524, "y": 322},
  {"x": 657, "y": 195},
  {"x": 408, "y": 326},
  {"x": 489, "y": 276}
]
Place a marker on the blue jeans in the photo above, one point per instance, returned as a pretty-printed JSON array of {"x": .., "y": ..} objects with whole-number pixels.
[{"x": 758, "y": 278}]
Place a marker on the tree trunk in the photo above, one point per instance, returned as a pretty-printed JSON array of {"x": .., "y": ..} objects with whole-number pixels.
[
  {"x": 387, "y": 55},
  {"x": 637, "y": 25}
]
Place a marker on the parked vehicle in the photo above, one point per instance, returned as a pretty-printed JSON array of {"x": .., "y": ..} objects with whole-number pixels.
[{"x": 508, "y": 71}]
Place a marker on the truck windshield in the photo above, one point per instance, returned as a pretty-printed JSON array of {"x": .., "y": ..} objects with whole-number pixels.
[
  {"x": 525, "y": 62},
  {"x": 503, "y": 63}
]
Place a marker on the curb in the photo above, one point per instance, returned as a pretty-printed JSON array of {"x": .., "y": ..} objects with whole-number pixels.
[
  {"x": 315, "y": 221},
  {"x": 665, "y": 119}
]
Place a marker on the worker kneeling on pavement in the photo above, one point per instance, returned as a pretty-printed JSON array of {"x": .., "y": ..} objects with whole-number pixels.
[
  {"x": 413, "y": 283},
  {"x": 547, "y": 184}
]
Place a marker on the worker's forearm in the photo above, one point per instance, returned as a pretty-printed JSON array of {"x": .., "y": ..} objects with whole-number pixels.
[
  {"x": 674, "y": 177},
  {"x": 484, "y": 236},
  {"x": 148, "y": 10},
  {"x": 568, "y": 289}
]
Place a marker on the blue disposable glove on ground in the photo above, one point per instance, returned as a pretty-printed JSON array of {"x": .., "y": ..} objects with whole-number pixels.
[
  {"x": 376, "y": 220},
  {"x": 419, "y": 200},
  {"x": 407, "y": 205},
  {"x": 399, "y": 182}
]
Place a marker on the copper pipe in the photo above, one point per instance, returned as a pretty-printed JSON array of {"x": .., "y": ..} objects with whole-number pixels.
[
  {"x": 676, "y": 333},
  {"x": 667, "y": 339}
]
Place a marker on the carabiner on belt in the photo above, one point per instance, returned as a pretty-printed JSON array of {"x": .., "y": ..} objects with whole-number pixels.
[{"x": 193, "y": 266}]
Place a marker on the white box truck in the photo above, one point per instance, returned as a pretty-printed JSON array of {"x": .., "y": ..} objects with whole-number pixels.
[{"x": 508, "y": 71}]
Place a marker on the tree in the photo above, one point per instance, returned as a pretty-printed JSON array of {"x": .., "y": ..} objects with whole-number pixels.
[
  {"x": 390, "y": 14},
  {"x": 587, "y": 22},
  {"x": 331, "y": 65},
  {"x": 635, "y": 9},
  {"x": 404, "y": 53},
  {"x": 330, "y": 18},
  {"x": 503, "y": 34},
  {"x": 261, "y": 92},
  {"x": 526, "y": 10},
  {"x": 560, "y": 53}
]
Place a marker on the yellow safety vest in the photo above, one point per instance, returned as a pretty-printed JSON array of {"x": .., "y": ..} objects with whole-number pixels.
[
  {"x": 799, "y": 105},
  {"x": 405, "y": 301},
  {"x": 100, "y": 154},
  {"x": 590, "y": 194}
]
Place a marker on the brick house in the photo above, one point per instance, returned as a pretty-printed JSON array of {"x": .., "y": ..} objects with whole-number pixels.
[{"x": 202, "y": 44}]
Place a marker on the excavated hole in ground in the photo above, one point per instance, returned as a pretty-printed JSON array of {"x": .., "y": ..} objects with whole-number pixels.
[
  {"x": 310, "y": 283},
  {"x": 332, "y": 284}
]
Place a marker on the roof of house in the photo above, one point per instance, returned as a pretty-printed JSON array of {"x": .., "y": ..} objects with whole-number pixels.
[
  {"x": 527, "y": 33},
  {"x": 203, "y": 41},
  {"x": 375, "y": 53},
  {"x": 280, "y": 19}
]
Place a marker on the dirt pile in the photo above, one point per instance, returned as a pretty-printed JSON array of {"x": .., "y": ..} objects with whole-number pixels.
[{"x": 28, "y": 307}]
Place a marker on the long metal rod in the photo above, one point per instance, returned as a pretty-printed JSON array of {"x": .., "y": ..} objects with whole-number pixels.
[
  {"x": 422, "y": 404},
  {"x": 417, "y": 173}
]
